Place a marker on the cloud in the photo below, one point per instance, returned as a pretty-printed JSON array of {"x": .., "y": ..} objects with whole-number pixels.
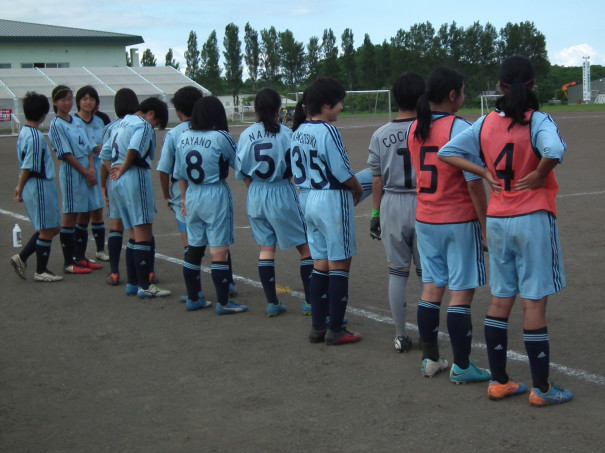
[{"x": 573, "y": 56}]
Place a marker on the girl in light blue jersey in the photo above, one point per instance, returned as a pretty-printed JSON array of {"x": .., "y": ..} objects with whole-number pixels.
[
  {"x": 37, "y": 190},
  {"x": 203, "y": 157},
  {"x": 263, "y": 162}
]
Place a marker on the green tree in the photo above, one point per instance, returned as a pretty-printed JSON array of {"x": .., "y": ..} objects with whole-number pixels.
[
  {"x": 148, "y": 59},
  {"x": 348, "y": 58},
  {"x": 292, "y": 59},
  {"x": 312, "y": 58},
  {"x": 252, "y": 53},
  {"x": 192, "y": 57},
  {"x": 270, "y": 57},
  {"x": 329, "y": 51},
  {"x": 210, "y": 71},
  {"x": 128, "y": 60},
  {"x": 233, "y": 61},
  {"x": 170, "y": 61},
  {"x": 367, "y": 64}
]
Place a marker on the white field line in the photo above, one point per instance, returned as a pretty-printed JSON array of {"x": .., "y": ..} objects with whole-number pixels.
[{"x": 512, "y": 355}]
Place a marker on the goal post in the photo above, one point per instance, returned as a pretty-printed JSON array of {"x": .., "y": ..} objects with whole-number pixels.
[
  {"x": 374, "y": 101},
  {"x": 488, "y": 103}
]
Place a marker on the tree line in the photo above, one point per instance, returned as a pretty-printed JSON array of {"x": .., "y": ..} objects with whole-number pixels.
[{"x": 276, "y": 59}]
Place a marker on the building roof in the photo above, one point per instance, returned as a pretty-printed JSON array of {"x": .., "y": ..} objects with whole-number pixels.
[{"x": 26, "y": 32}]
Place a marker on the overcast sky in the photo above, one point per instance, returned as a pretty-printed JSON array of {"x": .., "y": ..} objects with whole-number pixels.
[{"x": 572, "y": 31}]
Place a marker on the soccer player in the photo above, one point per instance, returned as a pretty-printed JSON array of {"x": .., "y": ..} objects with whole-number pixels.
[
  {"x": 70, "y": 141},
  {"x": 263, "y": 162},
  {"x": 203, "y": 157},
  {"x": 521, "y": 147},
  {"x": 87, "y": 102},
  {"x": 133, "y": 144},
  {"x": 36, "y": 188},
  {"x": 450, "y": 220},
  {"x": 125, "y": 103},
  {"x": 394, "y": 199},
  {"x": 320, "y": 164}
]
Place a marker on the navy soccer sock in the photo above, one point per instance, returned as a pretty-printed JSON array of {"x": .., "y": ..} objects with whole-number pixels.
[
  {"x": 30, "y": 247},
  {"x": 98, "y": 231},
  {"x": 220, "y": 276},
  {"x": 306, "y": 267},
  {"x": 538, "y": 352},
  {"x": 66, "y": 236},
  {"x": 338, "y": 295},
  {"x": 496, "y": 340},
  {"x": 318, "y": 289},
  {"x": 428, "y": 328},
  {"x": 114, "y": 247},
  {"x": 81, "y": 238},
  {"x": 131, "y": 269},
  {"x": 42, "y": 255},
  {"x": 151, "y": 264},
  {"x": 230, "y": 274},
  {"x": 460, "y": 329},
  {"x": 191, "y": 272},
  {"x": 266, "y": 272},
  {"x": 143, "y": 257}
]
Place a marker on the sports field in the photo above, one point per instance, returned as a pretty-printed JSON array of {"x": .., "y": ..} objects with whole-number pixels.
[{"x": 84, "y": 368}]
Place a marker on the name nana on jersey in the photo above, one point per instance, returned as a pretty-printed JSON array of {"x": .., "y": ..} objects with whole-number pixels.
[
  {"x": 305, "y": 139},
  {"x": 260, "y": 134}
]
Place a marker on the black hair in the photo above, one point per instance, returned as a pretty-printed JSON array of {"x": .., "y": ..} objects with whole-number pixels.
[
  {"x": 438, "y": 87},
  {"x": 209, "y": 115},
  {"x": 518, "y": 76},
  {"x": 35, "y": 106},
  {"x": 323, "y": 90},
  {"x": 59, "y": 92},
  {"x": 267, "y": 103},
  {"x": 185, "y": 98},
  {"x": 300, "y": 112},
  {"x": 408, "y": 87},
  {"x": 125, "y": 102},
  {"x": 158, "y": 107},
  {"x": 87, "y": 90}
]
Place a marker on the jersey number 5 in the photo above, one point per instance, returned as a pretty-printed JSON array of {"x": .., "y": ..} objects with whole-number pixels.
[
  {"x": 428, "y": 167},
  {"x": 260, "y": 157}
]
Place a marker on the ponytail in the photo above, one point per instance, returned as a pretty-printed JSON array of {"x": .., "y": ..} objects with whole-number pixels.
[
  {"x": 517, "y": 75},
  {"x": 439, "y": 85}
]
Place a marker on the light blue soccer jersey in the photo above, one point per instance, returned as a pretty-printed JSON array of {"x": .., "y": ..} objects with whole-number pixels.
[
  {"x": 105, "y": 153},
  {"x": 33, "y": 153},
  {"x": 94, "y": 128},
  {"x": 132, "y": 132},
  {"x": 204, "y": 157},
  {"x": 70, "y": 137},
  {"x": 319, "y": 159},
  {"x": 263, "y": 156},
  {"x": 167, "y": 158}
]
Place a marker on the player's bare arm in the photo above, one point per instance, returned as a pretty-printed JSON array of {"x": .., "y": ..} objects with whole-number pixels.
[{"x": 537, "y": 178}]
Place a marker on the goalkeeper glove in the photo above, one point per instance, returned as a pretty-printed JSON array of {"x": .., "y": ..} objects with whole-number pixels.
[{"x": 375, "y": 224}]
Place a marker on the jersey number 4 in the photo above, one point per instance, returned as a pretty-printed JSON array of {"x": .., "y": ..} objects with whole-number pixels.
[{"x": 507, "y": 174}]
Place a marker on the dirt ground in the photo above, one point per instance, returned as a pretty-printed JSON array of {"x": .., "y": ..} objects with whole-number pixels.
[{"x": 84, "y": 368}]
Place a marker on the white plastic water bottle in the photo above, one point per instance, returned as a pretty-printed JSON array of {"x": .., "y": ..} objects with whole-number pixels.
[{"x": 17, "y": 236}]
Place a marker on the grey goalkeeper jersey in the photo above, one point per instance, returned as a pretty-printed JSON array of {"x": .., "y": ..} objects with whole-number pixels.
[{"x": 390, "y": 158}]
